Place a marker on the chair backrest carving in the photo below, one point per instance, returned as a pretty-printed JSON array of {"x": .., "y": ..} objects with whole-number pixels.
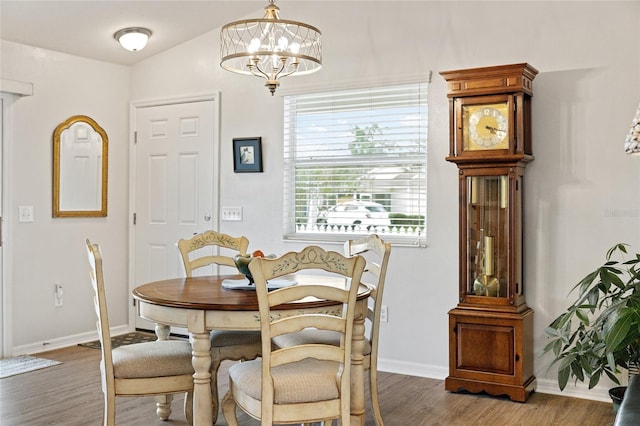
[{"x": 192, "y": 249}]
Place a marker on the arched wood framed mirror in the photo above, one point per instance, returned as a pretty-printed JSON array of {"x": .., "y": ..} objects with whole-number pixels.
[{"x": 80, "y": 158}]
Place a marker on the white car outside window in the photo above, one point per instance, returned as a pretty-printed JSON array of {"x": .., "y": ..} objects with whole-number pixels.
[{"x": 358, "y": 214}]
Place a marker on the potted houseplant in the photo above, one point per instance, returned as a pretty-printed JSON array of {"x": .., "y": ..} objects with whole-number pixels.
[{"x": 599, "y": 333}]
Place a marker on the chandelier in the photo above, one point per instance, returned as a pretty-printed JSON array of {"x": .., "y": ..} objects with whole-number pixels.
[{"x": 271, "y": 48}]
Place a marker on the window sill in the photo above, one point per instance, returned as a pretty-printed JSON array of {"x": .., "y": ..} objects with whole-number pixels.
[{"x": 340, "y": 237}]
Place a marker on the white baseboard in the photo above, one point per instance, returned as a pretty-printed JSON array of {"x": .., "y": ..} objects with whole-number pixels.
[
  {"x": 599, "y": 393},
  {"x": 580, "y": 390},
  {"x": 63, "y": 342},
  {"x": 413, "y": 369}
]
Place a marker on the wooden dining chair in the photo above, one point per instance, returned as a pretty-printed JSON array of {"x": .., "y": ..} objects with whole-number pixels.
[
  {"x": 303, "y": 383},
  {"x": 225, "y": 344},
  {"x": 196, "y": 251},
  {"x": 376, "y": 252},
  {"x": 159, "y": 368}
]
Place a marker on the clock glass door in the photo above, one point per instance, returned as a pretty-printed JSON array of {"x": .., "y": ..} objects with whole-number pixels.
[{"x": 488, "y": 235}]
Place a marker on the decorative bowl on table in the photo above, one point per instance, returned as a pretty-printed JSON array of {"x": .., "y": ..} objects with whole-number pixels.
[{"x": 242, "y": 262}]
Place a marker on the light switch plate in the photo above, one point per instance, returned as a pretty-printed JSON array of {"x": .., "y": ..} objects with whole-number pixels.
[
  {"x": 232, "y": 213},
  {"x": 25, "y": 214}
]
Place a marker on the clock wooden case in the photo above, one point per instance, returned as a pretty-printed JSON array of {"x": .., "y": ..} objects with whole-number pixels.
[{"x": 491, "y": 328}]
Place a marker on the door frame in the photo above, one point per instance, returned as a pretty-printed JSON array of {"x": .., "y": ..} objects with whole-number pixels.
[
  {"x": 6, "y": 325},
  {"x": 10, "y": 92},
  {"x": 215, "y": 221}
]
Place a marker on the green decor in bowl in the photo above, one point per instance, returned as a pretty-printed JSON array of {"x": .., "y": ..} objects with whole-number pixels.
[{"x": 242, "y": 262}]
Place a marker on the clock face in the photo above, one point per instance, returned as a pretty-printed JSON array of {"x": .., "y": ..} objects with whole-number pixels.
[{"x": 485, "y": 126}]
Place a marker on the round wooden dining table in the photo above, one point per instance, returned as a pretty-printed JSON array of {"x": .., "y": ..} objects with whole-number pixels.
[{"x": 201, "y": 304}]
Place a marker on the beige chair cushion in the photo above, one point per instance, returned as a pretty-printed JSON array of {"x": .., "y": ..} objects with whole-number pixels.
[
  {"x": 312, "y": 335},
  {"x": 234, "y": 338},
  {"x": 303, "y": 381},
  {"x": 152, "y": 359}
]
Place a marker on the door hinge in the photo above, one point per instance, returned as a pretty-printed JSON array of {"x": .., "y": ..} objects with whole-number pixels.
[
  {"x": 134, "y": 301},
  {"x": 135, "y": 137},
  {"x": 134, "y": 218}
]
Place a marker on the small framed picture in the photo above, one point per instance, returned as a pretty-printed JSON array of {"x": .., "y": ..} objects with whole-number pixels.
[{"x": 247, "y": 155}]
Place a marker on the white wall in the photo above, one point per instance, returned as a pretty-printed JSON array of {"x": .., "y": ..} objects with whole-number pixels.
[
  {"x": 49, "y": 250},
  {"x": 581, "y": 191}
]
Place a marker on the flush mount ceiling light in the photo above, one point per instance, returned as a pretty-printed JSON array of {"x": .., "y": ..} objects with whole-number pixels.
[
  {"x": 270, "y": 47},
  {"x": 133, "y": 39},
  {"x": 632, "y": 143}
]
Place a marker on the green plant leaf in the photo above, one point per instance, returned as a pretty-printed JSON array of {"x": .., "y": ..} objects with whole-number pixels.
[
  {"x": 620, "y": 247},
  {"x": 611, "y": 361},
  {"x": 557, "y": 347},
  {"x": 605, "y": 335},
  {"x": 584, "y": 318},
  {"x": 577, "y": 371},
  {"x": 611, "y": 276},
  {"x": 619, "y": 330},
  {"x": 585, "y": 283},
  {"x": 563, "y": 377},
  {"x": 562, "y": 321},
  {"x": 565, "y": 363},
  {"x": 593, "y": 296},
  {"x": 585, "y": 365},
  {"x": 612, "y": 377},
  {"x": 593, "y": 381},
  {"x": 552, "y": 332}
]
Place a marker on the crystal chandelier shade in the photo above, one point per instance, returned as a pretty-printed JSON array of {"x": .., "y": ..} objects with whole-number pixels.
[{"x": 270, "y": 47}]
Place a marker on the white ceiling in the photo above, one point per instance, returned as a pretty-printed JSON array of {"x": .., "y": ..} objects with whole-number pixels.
[{"x": 86, "y": 27}]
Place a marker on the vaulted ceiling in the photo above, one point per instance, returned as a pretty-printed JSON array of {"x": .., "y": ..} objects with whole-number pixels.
[{"x": 85, "y": 27}]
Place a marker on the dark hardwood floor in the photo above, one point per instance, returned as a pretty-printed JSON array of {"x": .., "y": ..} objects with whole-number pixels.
[{"x": 70, "y": 394}]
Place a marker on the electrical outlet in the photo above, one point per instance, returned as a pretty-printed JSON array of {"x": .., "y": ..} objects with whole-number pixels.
[
  {"x": 25, "y": 214},
  {"x": 57, "y": 294},
  {"x": 232, "y": 213},
  {"x": 384, "y": 314}
]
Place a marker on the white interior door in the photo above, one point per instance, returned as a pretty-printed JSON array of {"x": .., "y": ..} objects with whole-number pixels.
[{"x": 175, "y": 188}]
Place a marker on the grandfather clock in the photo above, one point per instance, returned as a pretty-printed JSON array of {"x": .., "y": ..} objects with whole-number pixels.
[{"x": 491, "y": 328}]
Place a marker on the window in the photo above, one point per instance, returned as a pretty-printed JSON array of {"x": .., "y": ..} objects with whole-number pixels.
[{"x": 356, "y": 162}]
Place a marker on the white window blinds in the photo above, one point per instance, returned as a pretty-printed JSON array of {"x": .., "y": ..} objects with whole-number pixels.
[{"x": 356, "y": 162}]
